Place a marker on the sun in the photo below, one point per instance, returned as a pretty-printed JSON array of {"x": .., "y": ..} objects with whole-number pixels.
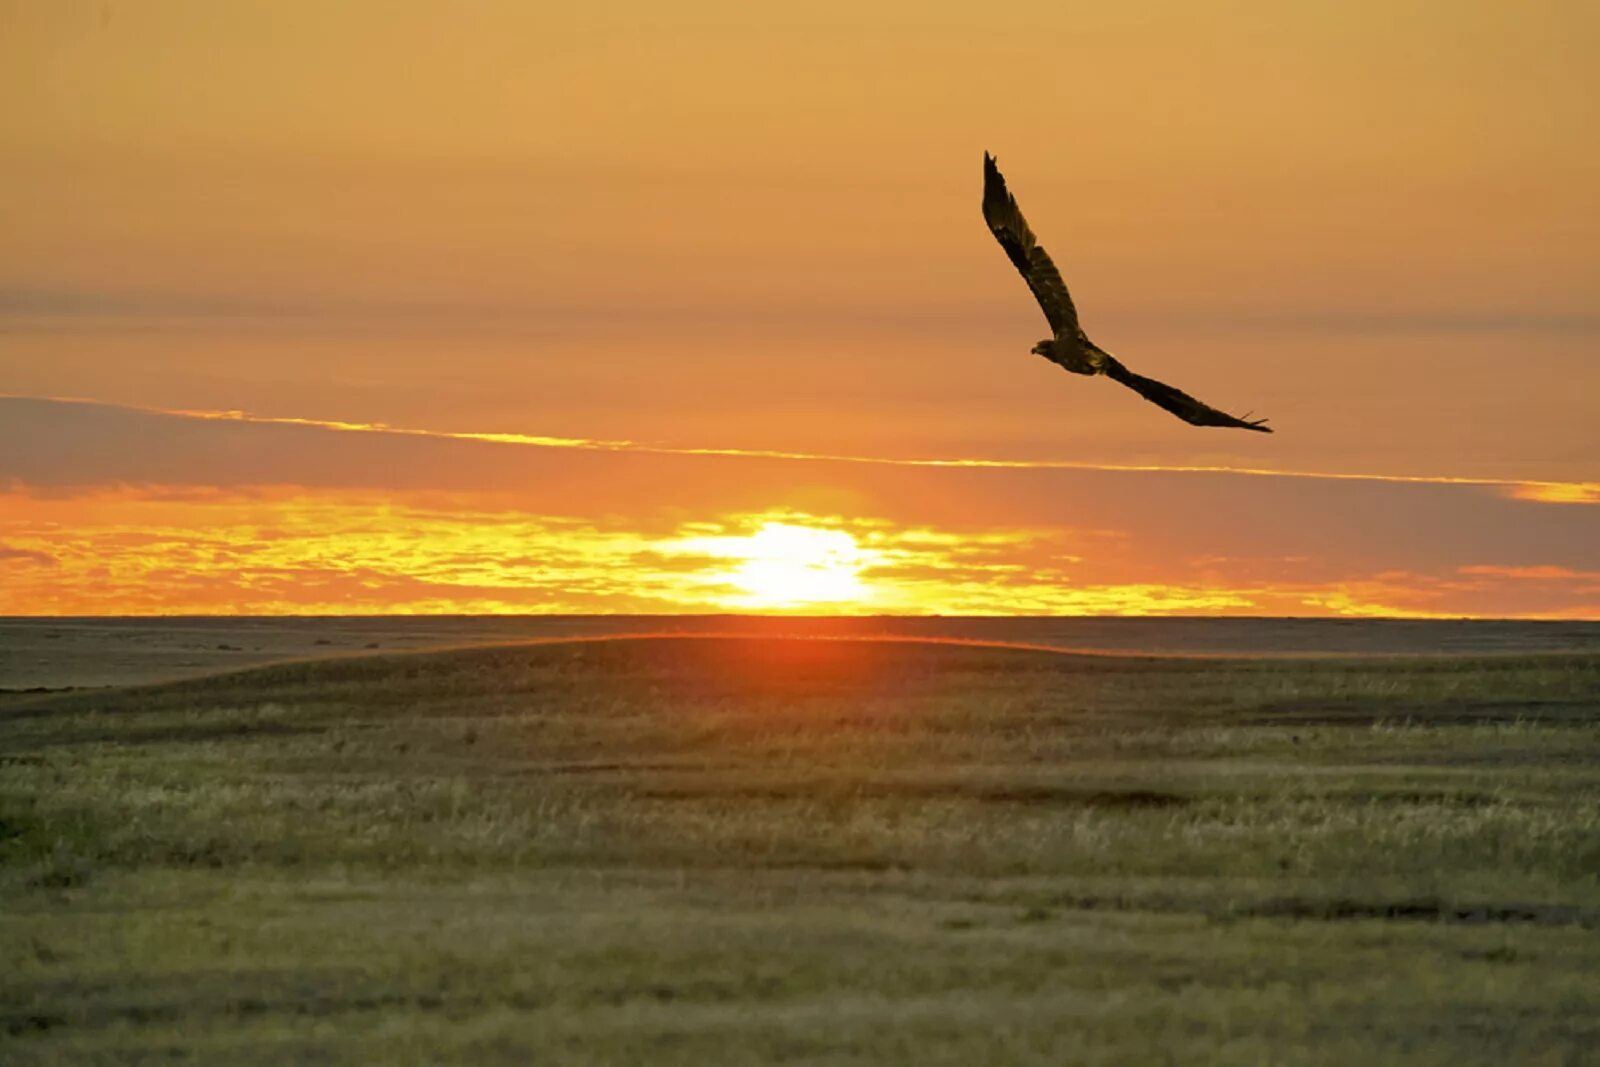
[{"x": 785, "y": 565}]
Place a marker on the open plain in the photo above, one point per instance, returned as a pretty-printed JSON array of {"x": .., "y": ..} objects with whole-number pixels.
[{"x": 692, "y": 849}]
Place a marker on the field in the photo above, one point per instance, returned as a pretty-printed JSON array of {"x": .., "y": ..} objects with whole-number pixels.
[{"x": 691, "y": 850}]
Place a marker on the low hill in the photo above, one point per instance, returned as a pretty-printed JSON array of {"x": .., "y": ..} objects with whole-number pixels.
[{"x": 691, "y": 849}]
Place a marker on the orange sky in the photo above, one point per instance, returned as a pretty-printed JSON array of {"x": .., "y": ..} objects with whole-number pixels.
[{"x": 710, "y": 225}]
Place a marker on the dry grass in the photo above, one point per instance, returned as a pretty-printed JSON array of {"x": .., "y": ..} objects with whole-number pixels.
[{"x": 689, "y": 851}]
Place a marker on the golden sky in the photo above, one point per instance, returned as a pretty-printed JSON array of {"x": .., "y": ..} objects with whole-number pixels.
[{"x": 724, "y": 228}]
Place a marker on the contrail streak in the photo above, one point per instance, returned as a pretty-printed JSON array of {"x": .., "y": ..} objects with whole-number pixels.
[{"x": 1552, "y": 492}]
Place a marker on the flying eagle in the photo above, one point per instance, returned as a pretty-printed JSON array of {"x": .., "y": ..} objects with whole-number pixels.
[{"x": 1071, "y": 348}]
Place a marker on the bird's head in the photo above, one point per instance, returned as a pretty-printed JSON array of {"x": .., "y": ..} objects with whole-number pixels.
[{"x": 1046, "y": 348}]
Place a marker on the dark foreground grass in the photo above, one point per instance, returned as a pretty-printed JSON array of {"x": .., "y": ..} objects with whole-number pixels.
[{"x": 689, "y": 851}]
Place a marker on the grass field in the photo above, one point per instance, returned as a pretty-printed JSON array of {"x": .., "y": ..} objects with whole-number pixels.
[{"x": 693, "y": 851}]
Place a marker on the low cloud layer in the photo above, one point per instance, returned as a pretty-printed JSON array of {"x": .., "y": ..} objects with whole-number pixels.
[{"x": 110, "y": 510}]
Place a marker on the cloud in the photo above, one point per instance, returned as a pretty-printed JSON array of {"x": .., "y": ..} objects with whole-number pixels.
[
  {"x": 25, "y": 555},
  {"x": 85, "y": 424},
  {"x": 157, "y": 511},
  {"x": 1544, "y": 572},
  {"x": 287, "y": 550},
  {"x": 1555, "y": 492},
  {"x": 334, "y": 552}
]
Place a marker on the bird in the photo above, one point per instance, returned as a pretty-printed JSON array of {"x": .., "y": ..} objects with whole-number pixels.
[{"x": 1068, "y": 346}]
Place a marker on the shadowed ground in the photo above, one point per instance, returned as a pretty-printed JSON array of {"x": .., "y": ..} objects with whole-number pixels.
[
  {"x": 686, "y": 850},
  {"x": 59, "y": 653}
]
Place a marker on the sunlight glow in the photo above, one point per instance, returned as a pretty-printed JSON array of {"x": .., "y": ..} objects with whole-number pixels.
[
  {"x": 1556, "y": 492},
  {"x": 272, "y": 550},
  {"x": 784, "y": 565}
]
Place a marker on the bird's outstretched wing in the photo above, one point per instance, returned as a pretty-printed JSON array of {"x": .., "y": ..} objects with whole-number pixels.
[
  {"x": 1177, "y": 401},
  {"x": 1005, "y": 221}
]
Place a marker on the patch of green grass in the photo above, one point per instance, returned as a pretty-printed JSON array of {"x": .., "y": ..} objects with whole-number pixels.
[{"x": 694, "y": 850}]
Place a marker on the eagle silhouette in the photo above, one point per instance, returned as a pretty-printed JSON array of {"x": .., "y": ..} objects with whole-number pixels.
[{"x": 1070, "y": 347}]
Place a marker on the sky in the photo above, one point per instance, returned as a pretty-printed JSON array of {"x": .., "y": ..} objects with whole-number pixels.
[{"x": 370, "y": 307}]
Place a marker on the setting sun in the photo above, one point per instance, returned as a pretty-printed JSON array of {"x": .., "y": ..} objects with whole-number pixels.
[{"x": 783, "y": 565}]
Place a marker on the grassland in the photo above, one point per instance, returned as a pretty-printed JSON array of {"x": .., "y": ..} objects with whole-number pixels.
[{"x": 690, "y": 851}]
